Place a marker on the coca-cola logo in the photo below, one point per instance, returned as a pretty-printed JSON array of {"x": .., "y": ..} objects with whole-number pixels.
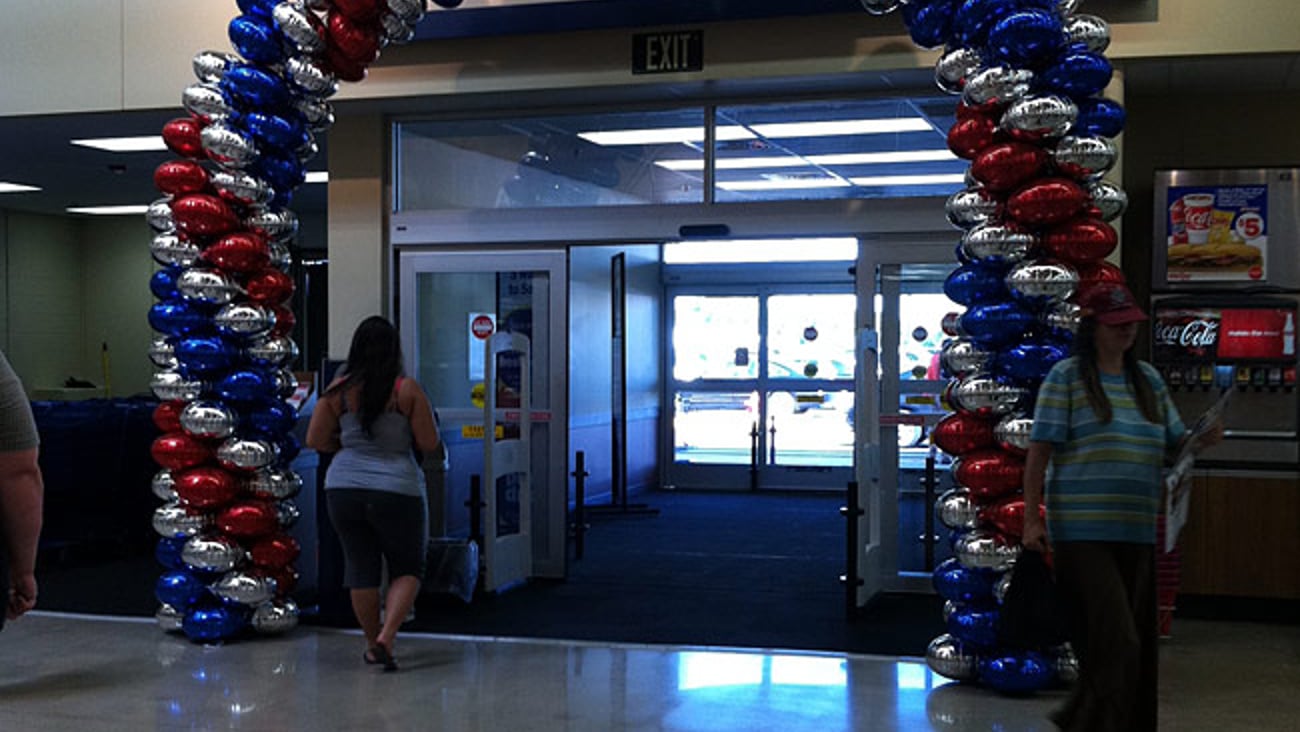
[
  {"x": 1199, "y": 333},
  {"x": 1197, "y": 218}
]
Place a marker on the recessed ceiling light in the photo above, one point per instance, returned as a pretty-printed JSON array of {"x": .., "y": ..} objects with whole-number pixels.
[
  {"x": 133, "y": 210},
  {"x": 317, "y": 176},
  {"x": 16, "y": 188},
  {"x": 143, "y": 143}
]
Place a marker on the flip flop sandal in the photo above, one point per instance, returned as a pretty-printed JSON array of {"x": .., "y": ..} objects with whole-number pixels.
[{"x": 379, "y": 655}]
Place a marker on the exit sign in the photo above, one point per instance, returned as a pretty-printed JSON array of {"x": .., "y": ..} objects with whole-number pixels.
[{"x": 668, "y": 52}]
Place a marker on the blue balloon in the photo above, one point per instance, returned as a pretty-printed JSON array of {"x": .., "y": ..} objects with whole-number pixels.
[
  {"x": 168, "y": 553},
  {"x": 997, "y": 325},
  {"x": 1027, "y": 38},
  {"x": 1017, "y": 673},
  {"x": 975, "y": 18},
  {"x": 260, "y": 8},
  {"x": 215, "y": 623},
  {"x": 1028, "y": 362},
  {"x": 180, "y": 589},
  {"x": 202, "y": 357},
  {"x": 929, "y": 22},
  {"x": 246, "y": 385},
  {"x": 249, "y": 88},
  {"x": 1077, "y": 74},
  {"x": 257, "y": 39},
  {"x": 283, "y": 171},
  {"x": 163, "y": 283},
  {"x": 178, "y": 318},
  {"x": 271, "y": 419},
  {"x": 1099, "y": 117},
  {"x": 289, "y": 447},
  {"x": 962, "y": 584},
  {"x": 975, "y": 625},
  {"x": 976, "y": 285},
  {"x": 285, "y": 134}
]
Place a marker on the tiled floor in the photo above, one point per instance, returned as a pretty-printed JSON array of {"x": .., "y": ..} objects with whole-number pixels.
[{"x": 63, "y": 672}]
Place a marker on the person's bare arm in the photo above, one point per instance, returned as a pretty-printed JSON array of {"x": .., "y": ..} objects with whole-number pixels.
[
  {"x": 1035, "y": 531},
  {"x": 21, "y": 497},
  {"x": 323, "y": 430},
  {"x": 415, "y": 405}
]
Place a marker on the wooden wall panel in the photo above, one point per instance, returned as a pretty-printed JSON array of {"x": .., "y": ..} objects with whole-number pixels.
[{"x": 1242, "y": 538}]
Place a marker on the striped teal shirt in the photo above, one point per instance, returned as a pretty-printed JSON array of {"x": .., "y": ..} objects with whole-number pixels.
[{"x": 1104, "y": 480}]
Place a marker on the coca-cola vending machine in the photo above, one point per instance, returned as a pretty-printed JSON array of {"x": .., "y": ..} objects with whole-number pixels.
[{"x": 1226, "y": 304}]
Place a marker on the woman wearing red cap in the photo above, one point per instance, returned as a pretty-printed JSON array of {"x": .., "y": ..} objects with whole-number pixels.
[{"x": 1104, "y": 422}]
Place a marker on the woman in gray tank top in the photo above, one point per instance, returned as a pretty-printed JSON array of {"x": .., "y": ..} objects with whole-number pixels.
[{"x": 373, "y": 419}]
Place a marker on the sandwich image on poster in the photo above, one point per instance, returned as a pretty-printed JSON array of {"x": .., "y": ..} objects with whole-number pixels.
[{"x": 1217, "y": 233}]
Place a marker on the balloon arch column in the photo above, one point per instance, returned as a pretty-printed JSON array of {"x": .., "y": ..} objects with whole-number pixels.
[
  {"x": 223, "y": 233},
  {"x": 1037, "y": 130}
]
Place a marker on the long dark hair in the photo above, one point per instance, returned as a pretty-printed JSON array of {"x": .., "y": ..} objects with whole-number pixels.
[
  {"x": 1086, "y": 351},
  {"x": 374, "y": 362}
]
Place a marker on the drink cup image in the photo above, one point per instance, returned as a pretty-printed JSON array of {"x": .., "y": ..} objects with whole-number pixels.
[{"x": 1196, "y": 216}]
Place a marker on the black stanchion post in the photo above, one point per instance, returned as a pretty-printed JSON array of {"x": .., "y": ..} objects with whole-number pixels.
[
  {"x": 929, "y": 538},
  {"x": 475, "y": 505},
  {"x": 753, "y": 456},
  {"x": 580, "y": 503}
]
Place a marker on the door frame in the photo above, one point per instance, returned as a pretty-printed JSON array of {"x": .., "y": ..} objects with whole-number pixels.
[{"x": 550, "y": 496}]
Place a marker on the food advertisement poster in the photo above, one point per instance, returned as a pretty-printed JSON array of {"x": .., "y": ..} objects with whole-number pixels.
[{"x": 1217, "y": 233}]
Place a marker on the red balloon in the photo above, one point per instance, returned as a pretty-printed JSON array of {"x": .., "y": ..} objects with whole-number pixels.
[
  {"x": 275, "y": 551},
  {"x": 357, "y": 42},
  {"x": 183, "y": 137},
  {"x": 969, "y": 136},
  {"x": 241, "y": 251},
  {"x": 362, "y": 11},
  {"x": 179, "y": 177},
  {"x": 206, "y": 488},
  {"x": 203, "y": 214},
  {"x": 989, "y": 473},
  {"x": 270, "y": 286},
  {"x": 1093, "y": 273},
  {"x": 286, "y": 578},
  {"x": 249, "y": 519},
  {"x": 1007, "y": 515},
  {"x": 1046, "y": 202},
  {"x": 991, "y": 109},
  {"x": 343, "y": 67},
  {"x": 167, "y": 415},
  {"x": 1005, "y": 165},
  {"x": 962, "y": 432},
  {"x": 178, "y": 451},
  {"x": 284, "y": 321},
  {"x": 1081, "y": 241}
]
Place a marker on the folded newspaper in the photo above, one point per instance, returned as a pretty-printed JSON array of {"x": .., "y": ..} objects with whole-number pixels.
[{"x": 1178, "y": 478}]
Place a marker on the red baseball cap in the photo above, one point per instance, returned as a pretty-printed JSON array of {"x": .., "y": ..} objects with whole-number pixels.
[{"x": 1110, "y": 303}]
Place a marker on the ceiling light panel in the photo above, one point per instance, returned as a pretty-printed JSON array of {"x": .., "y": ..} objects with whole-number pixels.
[
  {"x": 6, "y": 187},
  {"x": 144, "y": 143}
]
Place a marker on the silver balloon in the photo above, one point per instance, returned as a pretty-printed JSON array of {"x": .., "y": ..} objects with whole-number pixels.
[
  {"x": 244, "y": 320},
  {"x": 1089, "y": 30},
  {"x": 274, "y": 484},
  {"x": 1000, "y": 84},
  {"x": 1012, "y": 433},
  {"x": 273, "y": 351},
  {"x": 1110, "y": 199},
  {"x": 956, "y": 509},
  {"x": 1067, "y": 7},
  {"x": 949, "y": 607},
  {"x": 997, "y": 243},
  {"x": 947, "y": 657},
  {"x": 285, "y": 383},
  {"x": 163, "y": 352},
  {"x": 971, "y": 207},
  {"x": 1042, "y": 281},
  {"x": 281, "y": 256},
  {"x": 317, "y": 113},
  {"x": 209, "y": 420},
  {"x": 1067, "y": 664},
  {"x": 986, "y": 394},
  {"x": 309, "y": 78},
  {"x": 228, "y": 147},
  {"x": 206, "y": 102},
  {"x": 278, "y": 225},
  {"x": 211, "y": 66},
  {"x": 208, "y": 286},
  {"x": 244, "y": 588},
  {"x": 275, "y": 616},
  {"x": 170, "y": 385},
  {"x": 242, "y": 454},
  {"x": 159, "y": 215},
  {"x": 287, "y": 513},
  {"x": 169, "y": 618},
  {"x": 308, "y": 149},
  {"x": 1037, "y": 118},
  {"x": 396, "y": 30},
  {"x": 956, "y": 66},
  {"x": 301, "y": 27},
  {"x": 1001, "y": 586},
  {"x": 1083, "y": 158},
  {"x": 173, "y": 521},
  {"x": 164, "y": 486},
  {"x": 410, "y": 11},
  {"x": 1062, "y": 316},
  {"x": 981, "y": 549},
  {"x": 242, "y": 188},
  {"x": 168, "y": 249},
  {"x": 962, "y": 357},
  {"x": 212, "y": 553}
]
